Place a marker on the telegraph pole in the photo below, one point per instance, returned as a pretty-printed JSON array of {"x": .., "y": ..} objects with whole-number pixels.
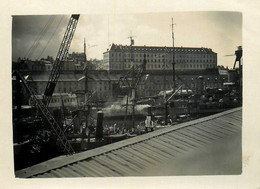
[
  {"x": 86, "y": 73},
  {"x": 86, "y": 106},
  {"x": 164, "y": 88},
  {"x": 173, "y": 60},
  {"x": 132, "y": 83}
]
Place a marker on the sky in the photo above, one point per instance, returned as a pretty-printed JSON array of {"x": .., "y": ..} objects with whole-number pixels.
[{"x": 220, "y": 31}]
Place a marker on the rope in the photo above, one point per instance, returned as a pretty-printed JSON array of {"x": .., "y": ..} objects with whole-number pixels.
[
  {"x": 39, "y": 37},
  {"x": 50, "y": 38}
]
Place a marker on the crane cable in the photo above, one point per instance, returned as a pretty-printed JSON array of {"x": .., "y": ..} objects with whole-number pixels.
[
  {"x": 50, "y": 38},
  {"x": 42, "y": 36},
  {"x": 39, "y": 37}
]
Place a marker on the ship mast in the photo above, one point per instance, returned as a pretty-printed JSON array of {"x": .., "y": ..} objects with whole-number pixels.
[
  {"x": 86, "y": 73},
  {"x": 164, "y": 88},
  {"x": 132, "y": 84},
  {"x": 173, "y": 60},
  {"x": 86, "y": 106}
]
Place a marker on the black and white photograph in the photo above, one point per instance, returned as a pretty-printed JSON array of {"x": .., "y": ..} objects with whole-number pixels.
[
  {"x": 129, "y": 94},
  {"x": 145, "y": 94}
]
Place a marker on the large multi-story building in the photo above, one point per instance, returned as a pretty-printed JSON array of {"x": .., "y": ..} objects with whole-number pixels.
[
  {"x": 194, "y": 67},
  {"x": 100, "y": 83},
  {"x": 120, "y": 57},
  {"x": 103, "y": 84}
]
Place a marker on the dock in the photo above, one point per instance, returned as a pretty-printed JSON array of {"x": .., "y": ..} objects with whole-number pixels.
[{"x": 210, "y": 145}]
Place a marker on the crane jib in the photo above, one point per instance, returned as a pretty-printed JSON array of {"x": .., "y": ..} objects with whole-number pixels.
[
  {"x": 50, "y": 90},
  {"x": 53, "y": 79},
  {"x": 75, "y": 16},
  {"x": 61, "y": 56}
]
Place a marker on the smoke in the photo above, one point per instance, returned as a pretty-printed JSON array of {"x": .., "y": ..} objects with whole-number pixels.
[
  {"x": 142, "y": 108},
  {"x": 114, "y": 108},
  {"x": 118, "y": 108}
]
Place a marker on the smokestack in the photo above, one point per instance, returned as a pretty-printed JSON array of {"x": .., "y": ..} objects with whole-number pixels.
[
  {"x": 99, "y": 129},
  {"x": 149, "y": 111},
  {"x": 201, "y": 78}
]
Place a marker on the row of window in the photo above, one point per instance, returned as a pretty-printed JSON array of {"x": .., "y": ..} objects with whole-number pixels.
[
  {"x": 64, "y": 100},
  {"x": 99, "y": 86},
  {"x": 151, "y": 87},
  {"x": 158, "y": 86},
  {"x": 177, "y": 61},
  {"x": 168, "y": 66},
  {"x": 157, "y": 55}
]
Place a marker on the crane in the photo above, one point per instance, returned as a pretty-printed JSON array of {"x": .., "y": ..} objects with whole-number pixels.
[
  {"x": 132, "y": 78},
  {"x": 62, "y": 53},
  {"x": 238, "y": 54},
  {"x": 48, "y": 117},
  {"x": 130, "y": 82},
  {"x": 54, "y": 76}
]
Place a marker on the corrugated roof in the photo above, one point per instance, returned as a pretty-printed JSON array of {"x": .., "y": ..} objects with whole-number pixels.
[{"x": 133, "y": 156}]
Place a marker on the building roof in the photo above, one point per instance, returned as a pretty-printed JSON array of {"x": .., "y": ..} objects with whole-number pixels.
[
  {"x": 160, "y": 49},
  {"x": 135, "y": 156},
  {"x": 102, "y": 77},
  {"x": 44, "y": 76},
  {"x": 96, "y": 76},
  {"x": 70, "y": 95}
]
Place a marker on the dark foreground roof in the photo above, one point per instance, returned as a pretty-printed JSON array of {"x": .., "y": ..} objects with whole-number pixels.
[{"x": 153, "y": 151}]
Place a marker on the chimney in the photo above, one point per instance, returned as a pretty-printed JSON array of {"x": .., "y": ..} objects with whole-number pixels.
[
  {"x": 149, "y": 111},
  {"x": 99, "y": 129}
]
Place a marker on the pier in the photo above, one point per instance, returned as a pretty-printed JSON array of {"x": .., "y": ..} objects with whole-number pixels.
[{"x": 209, "y": 145}]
